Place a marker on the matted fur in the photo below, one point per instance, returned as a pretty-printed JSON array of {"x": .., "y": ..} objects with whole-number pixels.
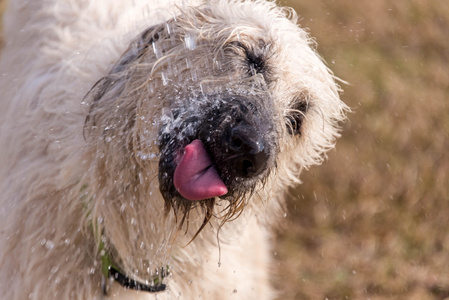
[{"x": 89, "y": 88}]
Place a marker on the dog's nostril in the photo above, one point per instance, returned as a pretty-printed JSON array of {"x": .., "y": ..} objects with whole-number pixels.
[
  {"x": 250, "y": 164},
  {"x": 245, "y": 139},
  {"x": 246, "y": 150},
  {"x": 236, "y": 143}
]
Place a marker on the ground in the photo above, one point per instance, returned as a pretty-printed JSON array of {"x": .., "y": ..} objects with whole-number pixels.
[{"x": 371, "y": 223}]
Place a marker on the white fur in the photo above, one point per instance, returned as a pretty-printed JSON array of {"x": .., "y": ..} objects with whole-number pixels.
[{"x": 54, "y": 54}]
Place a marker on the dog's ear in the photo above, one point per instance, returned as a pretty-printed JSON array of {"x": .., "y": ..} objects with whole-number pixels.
[
  {"x": 112, "y": 101},
  {"x": 145, "y": 42}
]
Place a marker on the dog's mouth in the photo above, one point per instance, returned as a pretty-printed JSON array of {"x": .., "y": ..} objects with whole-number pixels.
[
  {"x": 220, "y": 147},
  {"x": 195, "y": 177}
]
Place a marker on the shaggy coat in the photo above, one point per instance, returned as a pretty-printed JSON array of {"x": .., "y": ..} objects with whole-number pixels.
[{"x": 100, "y": 99}]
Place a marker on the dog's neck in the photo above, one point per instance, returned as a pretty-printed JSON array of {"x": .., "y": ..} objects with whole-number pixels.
[{"x": 112, "y": 273}]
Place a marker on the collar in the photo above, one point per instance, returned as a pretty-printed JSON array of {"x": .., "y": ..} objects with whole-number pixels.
[
  {"x": 110, "y": 271},
  {"x": 129, "y": 283}
]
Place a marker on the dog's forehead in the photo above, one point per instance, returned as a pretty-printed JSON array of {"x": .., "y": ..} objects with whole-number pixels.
[
  {"x": 264, "y": 40},
  {"x": 273, "y": 34}
]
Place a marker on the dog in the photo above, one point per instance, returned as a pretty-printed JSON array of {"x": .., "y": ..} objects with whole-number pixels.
[{"x": 147, "y": 146}]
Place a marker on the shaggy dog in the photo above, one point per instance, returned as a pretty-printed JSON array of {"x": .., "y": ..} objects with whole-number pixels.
[{"x": 146, "y": 145}]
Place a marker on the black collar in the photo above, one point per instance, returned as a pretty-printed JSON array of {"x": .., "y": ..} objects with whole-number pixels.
[
  {"x": 129, "y": 283},
  {"x": 111, "y": 272}
]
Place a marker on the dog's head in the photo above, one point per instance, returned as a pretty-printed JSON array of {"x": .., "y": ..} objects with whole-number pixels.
[{"x": 221, "y": 102}]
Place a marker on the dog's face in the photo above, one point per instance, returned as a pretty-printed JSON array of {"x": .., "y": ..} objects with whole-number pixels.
[
  {"x": 223, "y": 100},
  {"x": 222, "y": 124}
]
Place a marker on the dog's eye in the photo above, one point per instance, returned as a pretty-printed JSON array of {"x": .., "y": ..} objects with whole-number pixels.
[
  {"x": 255, "y": 62},
  {"x": 295, "y": 117},
  {"x": 254, "y": 59}
]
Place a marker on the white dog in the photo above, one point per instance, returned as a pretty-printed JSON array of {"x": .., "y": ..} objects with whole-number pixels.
[{"x": 146, "y": 145}]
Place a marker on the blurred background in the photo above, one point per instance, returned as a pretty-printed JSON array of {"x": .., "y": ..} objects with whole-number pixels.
[{"x": 372, "y": 221}]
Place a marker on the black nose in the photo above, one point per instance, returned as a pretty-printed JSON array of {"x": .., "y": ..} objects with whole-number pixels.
[{"x": 245, "y": 151}]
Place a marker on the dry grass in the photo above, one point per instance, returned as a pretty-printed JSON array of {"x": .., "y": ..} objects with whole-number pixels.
[{"x": 372, "y": 222}]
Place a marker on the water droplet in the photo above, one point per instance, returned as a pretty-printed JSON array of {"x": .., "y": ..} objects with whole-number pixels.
[
  {"x": 142, "y": 156},
  {"x": 49, "y": 245},
  {"x": 146, "y": 156},
  {"x": 157, "y": 51},
  {"x": 193, "y": 74},
  {"x": 167, "y": 25},
  {"x": 164, "y": 78},
  {"x": 190, "y": 41}
]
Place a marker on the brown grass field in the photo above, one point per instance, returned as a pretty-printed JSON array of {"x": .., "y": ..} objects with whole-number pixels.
[{"x": 372, "y": 222}]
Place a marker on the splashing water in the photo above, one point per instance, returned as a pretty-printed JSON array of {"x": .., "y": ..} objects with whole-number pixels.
[{"x": 190, "y": 41}]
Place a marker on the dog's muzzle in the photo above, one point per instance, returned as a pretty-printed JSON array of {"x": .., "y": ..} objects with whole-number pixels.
[{"x": 232, "y": 148}]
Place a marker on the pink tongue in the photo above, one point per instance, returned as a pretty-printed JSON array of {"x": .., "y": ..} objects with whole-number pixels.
[{"x": 195, "y": 178}]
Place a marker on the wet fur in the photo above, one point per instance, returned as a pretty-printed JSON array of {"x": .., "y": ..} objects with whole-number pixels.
[{"x": 97, "y": 105}]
